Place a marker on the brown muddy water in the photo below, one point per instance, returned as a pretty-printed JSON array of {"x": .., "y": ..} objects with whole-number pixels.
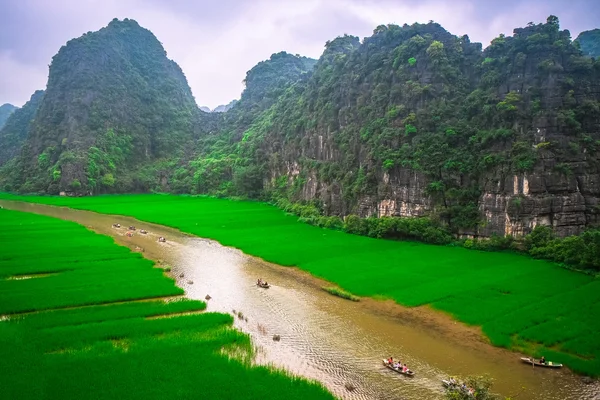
[{"x": 326, "y": 338}]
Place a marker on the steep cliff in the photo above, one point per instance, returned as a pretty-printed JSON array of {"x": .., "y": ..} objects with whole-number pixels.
[
  {"x": 15, "y": 131},
  {"x": 5, "y": 111},
  {"x": 113, "y": 101},
  {"x": 415, "y": 121}
]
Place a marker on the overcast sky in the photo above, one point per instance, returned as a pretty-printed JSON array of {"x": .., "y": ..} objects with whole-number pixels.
[{"x": 216, "y": 42}]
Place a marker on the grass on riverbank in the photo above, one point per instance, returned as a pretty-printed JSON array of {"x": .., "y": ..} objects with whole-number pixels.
[
  {"x": 96, "y": 333},
  {"x": 516, "y": 300},
  {"x": 341, "y": 293}
]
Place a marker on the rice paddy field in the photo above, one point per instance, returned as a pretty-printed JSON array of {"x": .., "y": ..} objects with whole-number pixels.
[
  {"x": 81, "y": 318},
  {"x": 520, "y": 303}
]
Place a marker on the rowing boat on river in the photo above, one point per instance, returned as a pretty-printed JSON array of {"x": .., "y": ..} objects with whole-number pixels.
[
  {"x": 399, "y": 370},
  {"x": 263, "y": 285},
  {"x": 537, "y": 363}
]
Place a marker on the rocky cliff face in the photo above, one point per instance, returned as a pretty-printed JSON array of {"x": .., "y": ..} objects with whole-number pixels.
[
  {"x": 418, "y": 122},
  {"x": 562, "y": 189},
  {"x": 113, "y": 102}
]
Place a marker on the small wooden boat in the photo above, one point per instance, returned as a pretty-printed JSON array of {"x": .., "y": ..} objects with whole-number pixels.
[
  {"x": 537, "y": 363},
  {"x": 162, "y": 239},
  {"x": 398, "y": 370},
  {"x": 263, "y": 285},
  {"x": 116, "y": 225},
  {"x": 132, "y": 228},
  {"x": 142, "y": 231}
]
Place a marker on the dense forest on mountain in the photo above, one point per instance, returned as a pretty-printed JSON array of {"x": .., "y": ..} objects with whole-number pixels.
[
  {"x": 113, "y": 101},
  {"x": 412, "y": 121},
  {"x": 444, "y": 119}
]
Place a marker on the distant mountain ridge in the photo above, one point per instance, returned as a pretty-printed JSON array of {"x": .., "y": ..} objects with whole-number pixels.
[
  {"x": 226, "y": 107},
  {"x": 589, "y": 41},
  {"x": 219, "y": 109},
  {"x": 17, "y": 127},
  {"x": 5, "y": 111}
]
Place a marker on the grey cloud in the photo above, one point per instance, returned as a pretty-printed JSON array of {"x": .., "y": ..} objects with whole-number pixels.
[
  {"x": 328, "y": 23},
  {"x": 221, "y": 12}
]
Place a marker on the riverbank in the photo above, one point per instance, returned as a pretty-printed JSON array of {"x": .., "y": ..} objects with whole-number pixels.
[
  {"x": 82, "y": 317},
  {"x": 520, "y": 303}
]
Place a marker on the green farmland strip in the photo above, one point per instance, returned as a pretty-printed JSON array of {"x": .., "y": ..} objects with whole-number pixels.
[
  {"x": 85, "y": 315},
  {"x": 84, "y": 339}
]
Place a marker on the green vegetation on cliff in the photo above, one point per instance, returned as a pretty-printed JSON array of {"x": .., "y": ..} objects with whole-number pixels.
[
  {"x": 81, "y": 344},
  {"x": 520, "y": 303},
  {"x": 224, "y": 163},
  {"x": 417, "y": 108}
]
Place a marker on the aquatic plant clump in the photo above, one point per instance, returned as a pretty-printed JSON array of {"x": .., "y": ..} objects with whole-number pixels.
[
  {"x": 341, "y": 293},
  {"x": 519, "y": 302},
  {"x": 91, "y": 330}
]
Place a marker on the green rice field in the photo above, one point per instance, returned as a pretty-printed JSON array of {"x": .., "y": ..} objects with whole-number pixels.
[
  {"x": 520, "y": 303},
  {"x": 83, "y": 318}
]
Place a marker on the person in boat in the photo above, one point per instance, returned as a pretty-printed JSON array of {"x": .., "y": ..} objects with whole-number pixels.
[
  {"x": 259, "y": 282},
  {"x": 390, "y": 361},
  {"x": 405, "y": 368},
  {"x": 543, "y": 360},
  {"x": 265, "y": 283},
  {"x": 397, "y": 365}
]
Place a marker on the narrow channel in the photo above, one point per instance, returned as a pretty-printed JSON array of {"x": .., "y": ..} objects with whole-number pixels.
[{"x": 335, "y": 341}]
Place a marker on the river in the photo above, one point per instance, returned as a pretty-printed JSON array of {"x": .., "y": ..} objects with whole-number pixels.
[{"x": 335, "y": 341}]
